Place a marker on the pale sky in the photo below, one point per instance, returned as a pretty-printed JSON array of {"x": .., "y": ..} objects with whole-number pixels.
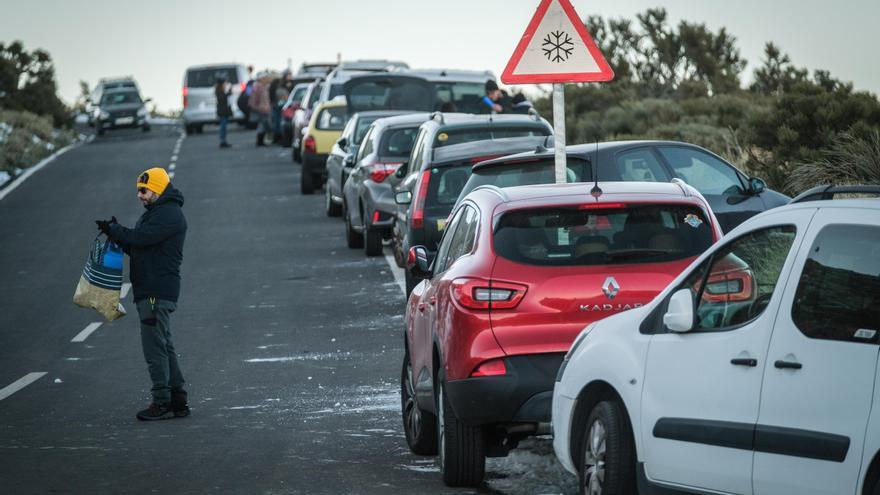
[{"x": 156, "y": 40}]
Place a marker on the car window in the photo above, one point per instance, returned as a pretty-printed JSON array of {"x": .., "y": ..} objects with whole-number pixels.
[
  {"x": 457, "y": 136},
  {"x": 120, "y": 98},
  {"x": 742, "y": 277},
  {"x": 440, "y": 262},
  {"x": 463, "y": 241},
  {"x": 367, "y": 147},
  {"x": 313, "y": 96},
  {"x": 206, "y": 78},
  {"x": 838, "y": 295},
  {"x": 398, "y": 142},
  {"x": 618, "y": 234},
  {"x": 702, "y": 171},
  {"x": 363, "y": 124},
  {"x": 331, "y": 119},
  {"x": 524, "y": 174},
  {"x": 640, "y": 165},
  {"x": 467, "y": 97},
  {"x": 416, "y": 158},
  {"x": 447, "y": 183},
  {"x": 298, "y": 94}
]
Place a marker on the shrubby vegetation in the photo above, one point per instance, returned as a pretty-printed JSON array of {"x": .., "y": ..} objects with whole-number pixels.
[
  {"x": 27, "y": 138},
  {"x": 686, "y": 83}
]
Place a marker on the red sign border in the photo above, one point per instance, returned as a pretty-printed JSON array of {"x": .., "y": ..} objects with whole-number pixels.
[{"x": 605, "y": 73}]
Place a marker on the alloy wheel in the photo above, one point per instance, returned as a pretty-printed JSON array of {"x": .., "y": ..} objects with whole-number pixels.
[
  {"x": 594, "y": 459},
  {"x": 411, "y": 410}
]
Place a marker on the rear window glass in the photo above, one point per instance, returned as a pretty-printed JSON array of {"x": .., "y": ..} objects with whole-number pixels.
[
  {"x": 458, "y": 136},
  {"x": 205, "y": 78},
  {"x": 398, "y": 142},
  {"x": 120, "y": 98},
  {"x": 332, "y": 119},
  {"x": 383, "y": 94},
  {"x": 335, "y": 90},
  {"x": 525, "y": 174},
  {"x": 466, "y": 97},
  {"x": 446, "y": 184},
  {"x": 644, "y": 233}
]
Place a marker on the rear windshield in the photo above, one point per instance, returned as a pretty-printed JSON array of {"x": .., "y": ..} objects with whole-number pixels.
[
  {"x": 382, "y": 94},
  {"x": 398, "y": 142},
  {"x": 465, "y": 97},
  {"x": 205, "y": 78},
  {"x": 644, "y": 233},
  {"x": 525, "y": 174},
  {"x": 331, "y": 119},
  {"x": 120, "y": 98},
  {"x": 458, "y": 136},
  {"x": 446, "y": 184},
  {"x": 335, "y": 90}
]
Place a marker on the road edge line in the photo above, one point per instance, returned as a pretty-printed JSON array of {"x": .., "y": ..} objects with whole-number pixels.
[
  {"x": 84, "y": 334},
  {"x": 36, "y": 168},
  {"x": 21, "y": 383}
]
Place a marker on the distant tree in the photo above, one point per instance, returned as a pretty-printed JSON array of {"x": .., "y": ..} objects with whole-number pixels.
[
  {"x": 27, "y": 82},
  {"x": 82, "y": 101},
  {"x": 776, "y": 74},
  {"x": 710, "y": 58}
]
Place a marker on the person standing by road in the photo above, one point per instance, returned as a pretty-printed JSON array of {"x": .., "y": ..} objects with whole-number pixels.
[
  {"x": 260, "y": 105},
  {"x": 222, "y": 91},
  {"x": 493, "y": 98},
  {"x": 155, "y": 250}
]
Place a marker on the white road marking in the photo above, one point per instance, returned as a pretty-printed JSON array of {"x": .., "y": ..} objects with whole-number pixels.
[
  {"x": 396, "y": 271},
  {"x": 172, "y": 166},
  {"x": 171, "y": 175},
  {"x": 174, "y": 157},
  {"x": 82, "y": 336},
  {"x": 20, "y": 384},
  {"x": 124, "y": 292}
]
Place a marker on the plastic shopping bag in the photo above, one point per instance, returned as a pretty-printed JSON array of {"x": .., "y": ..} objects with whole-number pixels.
[{"x": 100, "y": 284}]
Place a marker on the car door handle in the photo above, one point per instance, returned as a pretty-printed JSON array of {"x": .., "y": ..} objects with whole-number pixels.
[
  {"x": 788, "y": 365},
  {"x": 433, "y": 300},
  {"x": 750, "y": 362}
]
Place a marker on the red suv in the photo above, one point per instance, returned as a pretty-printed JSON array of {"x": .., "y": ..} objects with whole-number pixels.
[{"x": 518, "y": 274}]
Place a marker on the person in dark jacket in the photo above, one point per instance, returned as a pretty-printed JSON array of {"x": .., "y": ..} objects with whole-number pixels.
[
  {"x": 222, "y": 91},
  {"x": 155, "y": 250}
]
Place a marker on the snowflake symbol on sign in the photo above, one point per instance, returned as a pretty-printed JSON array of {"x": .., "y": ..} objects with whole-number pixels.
[{"x": 557, "y": 46}]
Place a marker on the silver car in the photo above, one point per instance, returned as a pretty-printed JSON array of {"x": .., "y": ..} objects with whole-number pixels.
[{"x": 199, "y": 101}]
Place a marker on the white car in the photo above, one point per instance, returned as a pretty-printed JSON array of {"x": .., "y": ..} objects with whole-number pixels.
[{"x": 755, "y": 371}]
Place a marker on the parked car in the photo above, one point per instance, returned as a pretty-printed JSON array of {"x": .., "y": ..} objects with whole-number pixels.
[
  {"x": 372, "y": 65},
  {"x": 368, "y": 205},
  {"x": 734, "y": 196},
  {"x": 342, "y": 156},
  {"x": 199, "y": 100},
  {"x": 105, "y": 84},
  {"x": 302, "y": 116},
  {"x": 324, "y": 129},
  {"x": 798, "y": 409},
  {"x": 293, "y": 103},
  {"x": 441, "y": 180},
  {"x": 121, "y": 108},
  {"x": 517, "y": 275},
  {"x": 317, "y": 70},
  {"x": 444, "y": 130}
]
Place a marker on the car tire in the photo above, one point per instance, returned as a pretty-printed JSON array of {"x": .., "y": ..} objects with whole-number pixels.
[
  {"x": 353, "y": 239},
  {"x": 306, "y": 182},
  {"x": 608, "y": 462},
  {"x": 99, "y": 129},
  {"x": 462, "y": 447},
  {"x": 146, "y": 128},
  {"x": 297, "y": 155},
  {"x": 189, "y": 129},
  {"x": 200, "y": 128},
  {"x": 420, "y": 426},
  {"x": 332, "y": 209},
  {"x": 372, "y": 241}
]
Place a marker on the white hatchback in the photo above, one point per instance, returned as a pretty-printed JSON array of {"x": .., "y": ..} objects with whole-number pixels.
[{"x": 755, "y": 371}]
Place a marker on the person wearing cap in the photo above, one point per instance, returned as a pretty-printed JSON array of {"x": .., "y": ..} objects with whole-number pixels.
[{"x": 155, "y": 250}]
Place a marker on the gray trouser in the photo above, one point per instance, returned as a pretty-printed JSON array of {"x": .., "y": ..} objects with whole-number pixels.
[{"x": 155, "y": 316}]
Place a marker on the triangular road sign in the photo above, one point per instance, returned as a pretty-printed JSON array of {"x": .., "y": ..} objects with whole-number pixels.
[{"x": 556, "y": 48}]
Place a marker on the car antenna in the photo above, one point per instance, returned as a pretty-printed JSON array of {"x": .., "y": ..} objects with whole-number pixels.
[{"x": 596, "y": 191}]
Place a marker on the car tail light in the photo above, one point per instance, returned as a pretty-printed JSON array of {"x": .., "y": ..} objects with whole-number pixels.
[
  {"x": 478, "y": 159},
  {"x": 242, "y": 86},
  {"x": 309, "y": 145},
  {"x": 418, "y": 216},
  {"x": 185, "y": 99},
  {"x": 492, "y": 367},
  {"x": 375, "y": 216},
  {"x": 729, "y": 287},
  {"x": 601, "y": 206},
  {"x": 380, "y": 171},
  {"x": 487, "y": 294}
]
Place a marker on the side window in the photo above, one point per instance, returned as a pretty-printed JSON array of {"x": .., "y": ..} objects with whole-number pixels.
[
  {"x": 366, "y": 146},
  {"x": 706, "y": 173},
  {"x": 441, "y": 262},
  {"x": 463, "y": 242},
  {"x": 741, "y": 278},
  {"x": 415, "y": 158},
  {"x": 640, "y": 165},
  {"x": 838, "y": 295}
]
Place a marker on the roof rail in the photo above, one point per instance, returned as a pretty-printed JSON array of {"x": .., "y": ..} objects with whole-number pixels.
[
  {"x": 434, "y": 116},
  {"x": 681, "y": 185},
  {"x": 492, "y": 188},
  {"x": 828, "y": 191}
]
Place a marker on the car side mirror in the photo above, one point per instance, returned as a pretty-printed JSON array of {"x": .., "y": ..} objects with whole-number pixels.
[
  {"x": 403, "y": 198},
  {"x": 401, "y": 170},
  {"x": 756, "y": 185},
  {"x": 348, "y": 161},
  {"x": 342, "y": 143},
  {"x": 679, "y": 315},
  {"x": 418, "y": 264}
]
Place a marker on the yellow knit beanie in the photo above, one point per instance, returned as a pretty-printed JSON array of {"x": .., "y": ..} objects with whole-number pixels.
[{"x": 155, "y": 179}]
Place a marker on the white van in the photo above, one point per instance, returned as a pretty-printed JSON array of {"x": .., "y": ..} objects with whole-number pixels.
[{"x": 199, "y": 101}]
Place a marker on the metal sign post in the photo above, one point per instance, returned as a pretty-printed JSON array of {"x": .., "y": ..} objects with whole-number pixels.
[{"x": 559, "y": 130}]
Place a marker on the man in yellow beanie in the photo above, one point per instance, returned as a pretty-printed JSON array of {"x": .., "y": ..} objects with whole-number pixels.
[{"x": 155, "y": 249}]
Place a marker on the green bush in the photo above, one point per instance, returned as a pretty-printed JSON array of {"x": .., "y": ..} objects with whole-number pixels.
[{"x": 26, "y": 138}]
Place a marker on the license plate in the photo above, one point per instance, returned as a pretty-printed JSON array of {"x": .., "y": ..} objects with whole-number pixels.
[
  {"x": 124, "y": 120},
  {"x": 441, "y": 224}
]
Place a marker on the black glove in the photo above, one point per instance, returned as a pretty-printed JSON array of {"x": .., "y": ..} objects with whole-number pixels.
[{"x": 104, "y": 225}]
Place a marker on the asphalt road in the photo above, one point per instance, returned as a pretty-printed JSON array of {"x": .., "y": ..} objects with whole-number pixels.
[{"x": 291, "y": 343}]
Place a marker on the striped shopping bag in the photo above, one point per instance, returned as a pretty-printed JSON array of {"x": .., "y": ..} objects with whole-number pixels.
[{"x": 101, "y": 280}]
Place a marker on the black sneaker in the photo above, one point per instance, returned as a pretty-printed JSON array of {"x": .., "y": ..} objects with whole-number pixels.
[
  {"x": 155, "y": 412},
  {"x": 225, "y": 145},
  {"x": 178, "y": 404}
]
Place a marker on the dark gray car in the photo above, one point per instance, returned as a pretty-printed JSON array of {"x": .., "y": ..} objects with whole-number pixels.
[
  {"x": 341, "y": 159},
  {"x": 121, "y": 108},
  {"x": 733, "y": 196},
  {"x": 368, "y": 193}
]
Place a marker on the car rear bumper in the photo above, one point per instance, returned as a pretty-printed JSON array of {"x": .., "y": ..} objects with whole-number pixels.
[{"x": 523, "y": 394}]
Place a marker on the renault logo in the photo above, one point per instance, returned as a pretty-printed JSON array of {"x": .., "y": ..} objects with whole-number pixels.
[{"x": 610, "y": 287}]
